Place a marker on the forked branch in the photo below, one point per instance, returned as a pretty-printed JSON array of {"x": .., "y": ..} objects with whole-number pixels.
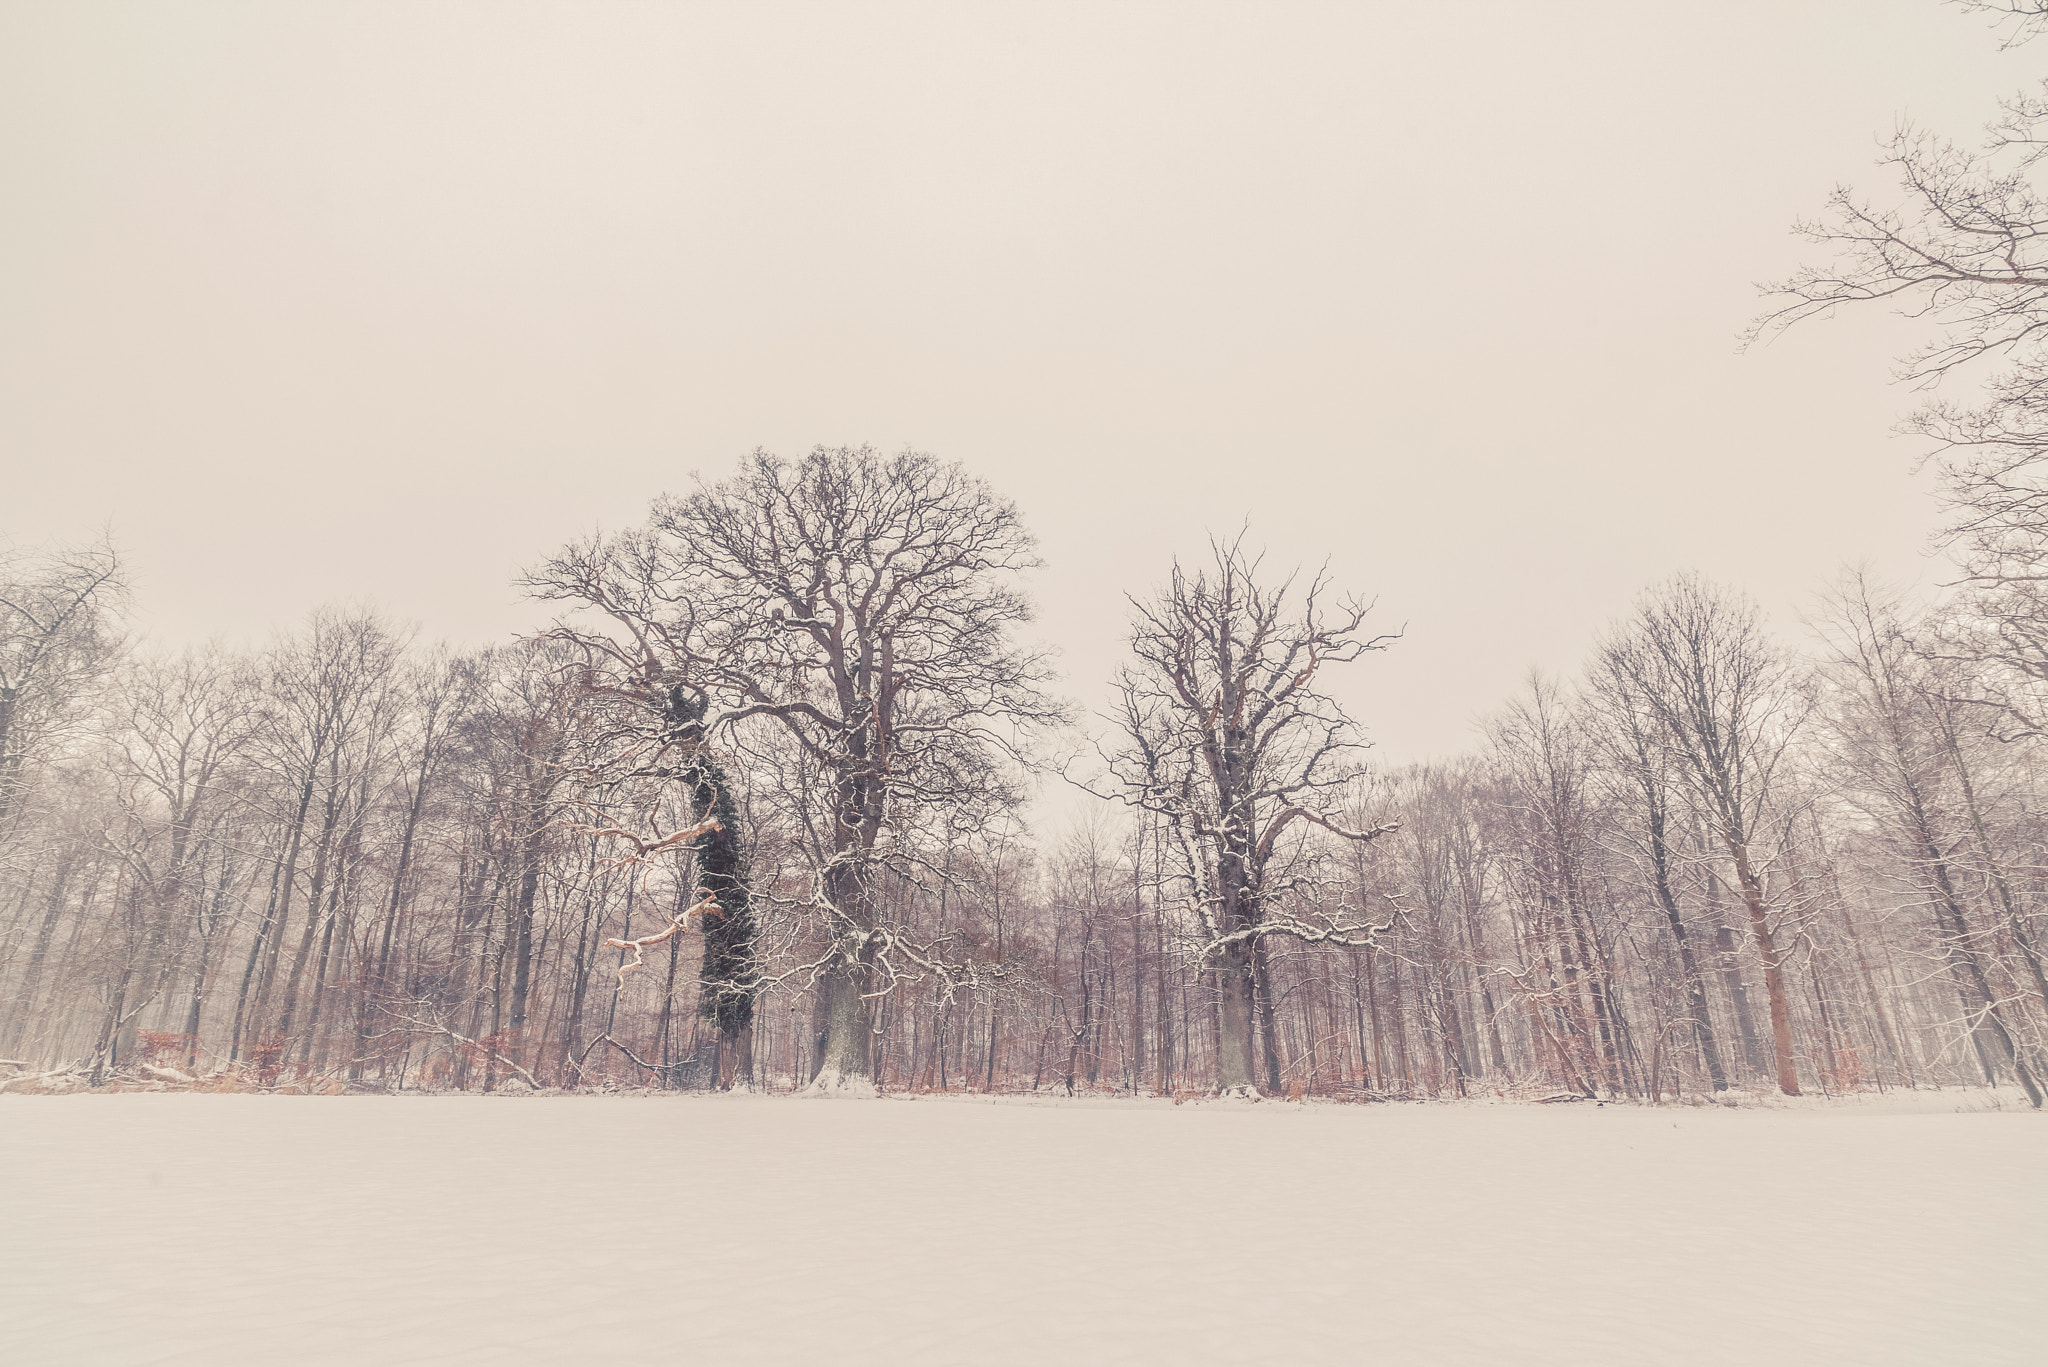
[
  {"x": 707, "y": 905},
  {"x": 643, "y": 848}
]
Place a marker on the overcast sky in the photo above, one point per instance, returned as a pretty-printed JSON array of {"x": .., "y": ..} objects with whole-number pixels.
[{"x": 312, "y": 302}]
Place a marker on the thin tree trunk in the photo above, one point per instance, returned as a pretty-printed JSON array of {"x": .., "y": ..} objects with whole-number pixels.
[
  {"x": 1262, "y": 983},
  {"x": 1999, "y": 883},
  {"x": 23, "y": 1015},
  {"x": 322, "y": 858},
  {"x": 1695, "y": 984},
  {"x": 1136, "y": 1070}
]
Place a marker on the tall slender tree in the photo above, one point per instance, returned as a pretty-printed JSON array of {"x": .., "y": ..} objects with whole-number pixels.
[
  {"x": 1722, "y": 691},
  {"x": 57, "y": 637},
  {"x": 1229, "y": 739}
]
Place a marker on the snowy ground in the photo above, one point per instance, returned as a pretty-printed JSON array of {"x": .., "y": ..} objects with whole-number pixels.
[{"x": 214, "y": 1230}]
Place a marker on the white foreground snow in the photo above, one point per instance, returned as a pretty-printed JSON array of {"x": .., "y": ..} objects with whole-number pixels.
[{"x": 223, "y": 1229}]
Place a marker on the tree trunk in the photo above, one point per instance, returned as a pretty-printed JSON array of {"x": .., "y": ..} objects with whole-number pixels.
[
  {"x": 103, "y": 1048},
  {"x": 843, "y": 1063},
  {"x": 314, "y": 1053},
  {"x": 520, "y": 933},
  {"x": 375, "y": 974},
  {"x": 1884, "y": 1023},
  {"x": 1752, "y": 891},
  {"x": 23, "y": 1016},
  {"x": 197, "y": 1004},
  {"x": 1136, "y": 1069},
  {"x": 322, "y": 858},
  {"x": 1695, "y": 984},
  {"x": 1961, "y": 954},
  {"x": 1999, "y": 883},
  {"x": 1233, "y": 981},
  {"x": 1164, "y": 1013},
  {"x": 842, "y": 1054},
  {"x": 1727, "y": 952},
  {"x": 1262, "y": 982}
]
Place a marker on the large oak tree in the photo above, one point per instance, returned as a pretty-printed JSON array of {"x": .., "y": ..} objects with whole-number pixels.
[{"x": 864, "y": 605}]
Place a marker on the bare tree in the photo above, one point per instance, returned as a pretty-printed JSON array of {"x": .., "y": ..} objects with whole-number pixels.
[
  {"x": 1543, "y": 758},
  {"x": 1893, "y": 738},
  {"x": 179, "y": 727},
  {"x": 864, "y": 605},
  {"x": 1698, "y": 659},
  {"x": 1642, "y": 766},
  {"x": 1229, "y": 740},
  {"x": 437, "y": 695},
  {"x": 1961, "y": 247},
  {"x": 2023, "y": 20},
  {"x": 56, "y": 637},
  {"x": 650, "y": 737},
  {"x": 330, "y": 696},
  {"x": 525, "y": 727}
]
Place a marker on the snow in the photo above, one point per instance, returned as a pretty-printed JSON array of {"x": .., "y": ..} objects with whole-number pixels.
[{"x": 170, "y": 1228}]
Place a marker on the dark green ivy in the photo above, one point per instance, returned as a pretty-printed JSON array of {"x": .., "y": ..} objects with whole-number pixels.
[{"x": 729, "y": 974}]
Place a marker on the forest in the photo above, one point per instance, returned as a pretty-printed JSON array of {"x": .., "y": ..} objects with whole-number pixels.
[
  {"x": 753, "y": 814},
  {"x": 757, "y": 810}
]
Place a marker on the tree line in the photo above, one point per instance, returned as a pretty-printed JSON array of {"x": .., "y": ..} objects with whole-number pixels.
[{"x": 753, "y": 813}]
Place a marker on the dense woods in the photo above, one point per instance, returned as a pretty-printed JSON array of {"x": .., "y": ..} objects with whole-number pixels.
[{"x": 754, "y": 813}]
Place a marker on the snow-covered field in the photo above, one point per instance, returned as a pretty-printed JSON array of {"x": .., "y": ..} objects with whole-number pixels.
[{"x": 203, "y": 1229}]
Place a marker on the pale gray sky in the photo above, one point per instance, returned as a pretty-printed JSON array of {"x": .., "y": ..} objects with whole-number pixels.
[{"x": 319, "y": 301}]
